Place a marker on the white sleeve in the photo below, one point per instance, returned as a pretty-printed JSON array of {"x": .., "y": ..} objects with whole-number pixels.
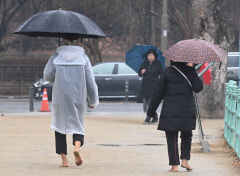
[
  {"x": 49, "y": 70},
  {"x": 92, "y": 89}
]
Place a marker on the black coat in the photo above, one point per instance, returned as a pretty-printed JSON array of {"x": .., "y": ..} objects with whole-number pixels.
[
  {"x": 179, "y": 110},
  {"x": 150, "y": 77}
]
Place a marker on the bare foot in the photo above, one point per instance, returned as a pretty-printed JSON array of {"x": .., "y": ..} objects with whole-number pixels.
[
  {"x": 64, "y": 165},
  {"x": 174, "y": 169},
  {"x": 78, "y": 159},
  {"x": 64, "y": 161},
  {"x": 186, "y": 165}
]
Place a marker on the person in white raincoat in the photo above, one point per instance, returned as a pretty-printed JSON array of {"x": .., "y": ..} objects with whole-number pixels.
[{"x": 74, "y": 84}]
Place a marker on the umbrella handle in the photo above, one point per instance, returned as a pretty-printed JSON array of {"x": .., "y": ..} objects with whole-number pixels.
[{"x": 205, "y": 69}]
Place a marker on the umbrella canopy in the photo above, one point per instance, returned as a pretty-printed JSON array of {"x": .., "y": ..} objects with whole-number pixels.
[
  {"x": 135, "y": 56},
  {"x": 207, "y": 76},
  {"x": 195, "y": 51},
  {"x": 60, "y": 23}
]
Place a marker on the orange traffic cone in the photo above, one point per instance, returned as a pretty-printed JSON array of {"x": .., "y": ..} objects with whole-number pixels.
[{"x": 45, "y": 107}]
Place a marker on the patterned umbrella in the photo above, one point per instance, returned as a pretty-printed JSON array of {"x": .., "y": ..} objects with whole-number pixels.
[{"x": 195, "y": 51}]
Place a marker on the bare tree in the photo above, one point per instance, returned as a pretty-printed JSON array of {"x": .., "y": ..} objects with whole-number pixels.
[
  {"x": 8, "y": 9},
  {"x": 94, "y": 48},
  {"x": 206, "y": 26},
  {"x": 130, "y": 24},
  {"x": 126, "y": 22},
  {"x": 179, "y": 13},
  {"x": 153, "y": 27}
]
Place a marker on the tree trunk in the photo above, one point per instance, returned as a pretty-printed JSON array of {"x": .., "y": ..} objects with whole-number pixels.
[
  {"x": 153, "y": 29},
  {"x": 93, "y": 50},
  {"x": 130, "y": 23},
  {"x": 8, "y": 10},
  {"x": 212, "y": 98}
]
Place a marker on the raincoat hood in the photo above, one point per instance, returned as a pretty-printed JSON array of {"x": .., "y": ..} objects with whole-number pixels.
[
  {"x": 70, "y": 55},
  {"x": 70, "y": 52}
]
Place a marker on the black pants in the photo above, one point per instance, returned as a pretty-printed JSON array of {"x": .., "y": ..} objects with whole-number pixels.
[
  {"x": 172, "y": 143},
  {"x": 61, "y": 142},
  {"x": 146, "y": 103}
]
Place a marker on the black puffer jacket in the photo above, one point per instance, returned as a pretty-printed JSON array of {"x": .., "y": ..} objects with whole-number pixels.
[
  {"x": 150, "y": 77},
  {"x": 178, "y": 111}
]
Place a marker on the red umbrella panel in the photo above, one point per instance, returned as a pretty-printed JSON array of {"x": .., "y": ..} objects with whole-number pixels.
[
  {"x": 207, "y": 76},
  {"x": 195, "y": 51}
]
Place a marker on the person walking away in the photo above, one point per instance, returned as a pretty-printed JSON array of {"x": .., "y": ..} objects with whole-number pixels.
[
  {"x": 74, "y": 84},
  {"x": 150, "y": 70},
  {"x": 176, "y": 87}
]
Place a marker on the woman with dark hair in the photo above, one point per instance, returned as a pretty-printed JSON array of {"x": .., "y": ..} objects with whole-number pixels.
[
  {"x": 150, "y": 70},
  {"x": 176, "y": 87}
]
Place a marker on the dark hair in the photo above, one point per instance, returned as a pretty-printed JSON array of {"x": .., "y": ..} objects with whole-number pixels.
[
  {"x": 179, "y": 63},
  {"x": 70, "y": 37},
  {"x": 151, "y": 51}
]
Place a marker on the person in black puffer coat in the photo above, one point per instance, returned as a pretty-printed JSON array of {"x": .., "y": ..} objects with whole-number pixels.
[
  {"x": 178, "y": 111},
  {"x": 150, "y": 70}
]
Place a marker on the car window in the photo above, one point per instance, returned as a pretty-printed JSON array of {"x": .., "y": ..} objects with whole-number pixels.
[
  {"x": 233, "y": 61},
  {"x": 106, "y": 68},
  {"x": 125, "y": 69},
  {"x": 115, "y": 69}
]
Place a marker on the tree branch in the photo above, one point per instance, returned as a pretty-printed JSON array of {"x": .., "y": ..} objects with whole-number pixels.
[
  {"x": 15, "y": 10},
  {"x": 180, "y": 20}
]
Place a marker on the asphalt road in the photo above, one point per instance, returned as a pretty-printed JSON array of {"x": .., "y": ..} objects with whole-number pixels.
[{"x": 22, "y": 105}]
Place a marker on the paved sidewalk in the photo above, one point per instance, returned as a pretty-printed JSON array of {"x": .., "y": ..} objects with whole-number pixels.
[{"x": 114, "y": 145}]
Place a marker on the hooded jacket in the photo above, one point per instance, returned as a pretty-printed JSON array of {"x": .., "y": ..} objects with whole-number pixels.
[{"x": 73, "y": 85}]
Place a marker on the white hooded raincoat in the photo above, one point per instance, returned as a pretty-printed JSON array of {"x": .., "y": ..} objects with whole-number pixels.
[{"x": 74, "y": 83}]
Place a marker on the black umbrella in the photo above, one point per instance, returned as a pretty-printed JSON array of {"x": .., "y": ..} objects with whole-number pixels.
[{"x": 60, "y": 23}]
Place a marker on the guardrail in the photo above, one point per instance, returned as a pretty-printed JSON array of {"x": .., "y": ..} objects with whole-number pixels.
[
  {"x": 16, "y": 79},
  {"x": 232, "y": 116}
]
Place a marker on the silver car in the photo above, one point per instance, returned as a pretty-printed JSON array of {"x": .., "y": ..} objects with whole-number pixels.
[{"x": 233, "y": 66}]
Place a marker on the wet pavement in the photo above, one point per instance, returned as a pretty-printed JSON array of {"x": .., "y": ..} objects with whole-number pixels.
[
  {"x": 22, "y": 105},
  {"x": 115, "y": 144}
]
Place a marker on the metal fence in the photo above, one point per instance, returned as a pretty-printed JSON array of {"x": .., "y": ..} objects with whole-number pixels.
[
  {"x": 15, "y": 80},
  {"x": 232, "y": 116}
]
